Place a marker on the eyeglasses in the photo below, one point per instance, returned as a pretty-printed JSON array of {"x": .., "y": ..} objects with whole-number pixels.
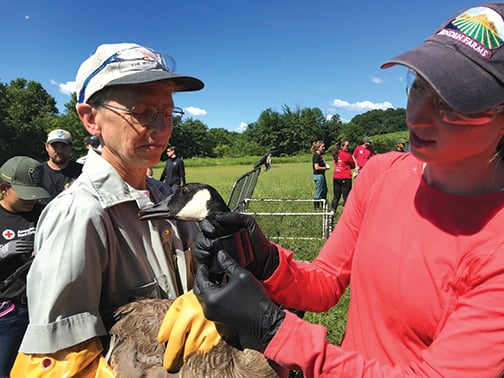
[
  {"x": 418, "y": 89},
  {"x": 147, "y": 116},
  {"x": 130, "y": 54}
]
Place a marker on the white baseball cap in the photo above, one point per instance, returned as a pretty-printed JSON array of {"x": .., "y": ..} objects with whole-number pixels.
[
  {"x": 128, "y": 63},
  {"x": 59, "y": 135}
]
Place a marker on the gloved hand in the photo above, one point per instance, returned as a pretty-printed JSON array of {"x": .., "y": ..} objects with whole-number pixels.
[
  {"x": 241, "y": 303},
  {"x": 186, "y": 330},
  {"x": 265, "y": 255},
  {"x": 83, "y": 360},
  {"x": 15, "y": 247}
]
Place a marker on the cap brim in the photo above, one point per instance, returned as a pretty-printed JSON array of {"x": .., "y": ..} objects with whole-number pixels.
[
  {"x": 59, "y": 140},
  {"x": 184, "y": 83},
  {"x": 460, "y": 82},
  {"x": 30, "y": 192}
]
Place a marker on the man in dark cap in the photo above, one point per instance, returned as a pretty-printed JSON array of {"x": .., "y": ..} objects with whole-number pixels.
[{"x": 19, "y": 212}]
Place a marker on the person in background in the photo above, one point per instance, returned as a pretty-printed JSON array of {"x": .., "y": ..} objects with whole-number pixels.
[
  {"x": 19, "y": 211},
  {"x": 267, "y": 164},
  {"x": 174, "y": 171},
  {"x": 93, "y": 253},
  {"x": 344, "y": 162},
  {"x": 90, "y": 142},
  {"x": 59, "y": 171},
  {"x": 401, "y": 145},
  {"x": 319, "y": 168},
  {"x": 420, "y": 244},
  {"x": 362, "y": 154}
]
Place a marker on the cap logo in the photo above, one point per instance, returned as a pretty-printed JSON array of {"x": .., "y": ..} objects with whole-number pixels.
[
  {"x": 480, "y": 28},
  {"x": 139, "y": 59},
  {"x": 34, "y": 175}
]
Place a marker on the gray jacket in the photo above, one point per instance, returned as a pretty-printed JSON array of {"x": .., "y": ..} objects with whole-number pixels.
[{"x": 93, "y": 254}]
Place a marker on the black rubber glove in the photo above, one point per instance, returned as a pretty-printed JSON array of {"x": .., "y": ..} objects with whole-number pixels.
[
  {"x": 241, "y": 302},
  {"x": 261, "y": 256}
]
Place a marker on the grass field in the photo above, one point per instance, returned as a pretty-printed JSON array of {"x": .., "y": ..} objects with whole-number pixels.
[{"x": 282, "y": 181}]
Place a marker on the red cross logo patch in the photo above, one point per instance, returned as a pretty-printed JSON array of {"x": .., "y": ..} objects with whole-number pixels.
[{"x": 8, "y": 234}]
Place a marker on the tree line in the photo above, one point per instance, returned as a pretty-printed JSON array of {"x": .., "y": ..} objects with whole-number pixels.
[{"x": 28, "y": 112}]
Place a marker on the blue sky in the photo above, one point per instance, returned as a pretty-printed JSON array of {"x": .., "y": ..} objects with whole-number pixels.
[{"x": 252, "y": 55}]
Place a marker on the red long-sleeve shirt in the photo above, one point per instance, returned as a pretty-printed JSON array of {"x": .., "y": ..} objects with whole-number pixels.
[{"x": 426, "y": 277}]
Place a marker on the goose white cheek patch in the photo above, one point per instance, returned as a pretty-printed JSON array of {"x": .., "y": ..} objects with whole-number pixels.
[{"x": 197, "y": 208}]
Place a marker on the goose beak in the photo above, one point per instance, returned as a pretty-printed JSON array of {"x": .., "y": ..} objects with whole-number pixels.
[{"x": 159, "y": 210}]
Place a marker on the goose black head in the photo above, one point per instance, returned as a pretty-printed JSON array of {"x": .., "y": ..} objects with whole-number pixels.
[{"x": 191, "y": 202}]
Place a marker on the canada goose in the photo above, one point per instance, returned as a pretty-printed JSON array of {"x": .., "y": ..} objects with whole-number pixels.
[
  {"x": 191, "y": 202},
  {"x": 134, "y": 351},
  {"x": 195, "y": 202}
]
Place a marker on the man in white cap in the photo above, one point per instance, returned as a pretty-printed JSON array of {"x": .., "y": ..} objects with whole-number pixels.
[
  {"x": 93, "y": 254},
  {"x": 59, "y": 171}
]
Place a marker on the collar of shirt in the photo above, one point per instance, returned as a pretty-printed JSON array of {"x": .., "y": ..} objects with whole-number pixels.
[{"x": 111, "y": 189}]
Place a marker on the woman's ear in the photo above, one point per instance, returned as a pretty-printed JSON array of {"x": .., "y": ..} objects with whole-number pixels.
[{"x": 87, "y": 114}]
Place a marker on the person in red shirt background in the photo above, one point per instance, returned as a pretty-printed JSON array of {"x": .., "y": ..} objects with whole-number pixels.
[
  {"x": 363, "y": 153},
  {"x": 344, "y": 162}
]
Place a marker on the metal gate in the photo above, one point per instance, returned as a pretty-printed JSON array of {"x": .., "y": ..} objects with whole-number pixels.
[
  {"x": 241, "y": 198},
  {"x": 324, "y": 217},
  {"x": 243, "y": 188}
]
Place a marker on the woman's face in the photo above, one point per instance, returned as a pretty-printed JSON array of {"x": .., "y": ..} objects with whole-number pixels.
[{"x": 439, "y": 134}]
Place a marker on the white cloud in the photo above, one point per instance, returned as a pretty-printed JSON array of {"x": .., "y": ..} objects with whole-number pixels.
[
  {"x": 27, "y": 17},
  {"x": 360, "y": 106},
  {"x": 241, "y": 127},
  {"x": 195, "y": 111},
  {"x": 376, "y": 80},
  {"x": 66, "y": 88}
]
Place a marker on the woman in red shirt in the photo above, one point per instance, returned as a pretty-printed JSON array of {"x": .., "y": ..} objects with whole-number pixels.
[
  {"x": 344, "y": 162},
  {"x": 419, "y": 245}
]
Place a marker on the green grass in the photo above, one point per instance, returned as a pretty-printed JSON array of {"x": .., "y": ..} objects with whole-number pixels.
[{"x": 287, "y": 179}]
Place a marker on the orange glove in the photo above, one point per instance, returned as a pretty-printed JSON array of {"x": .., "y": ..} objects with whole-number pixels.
[
  {"x": 186, "y": 330},
  {"x": 83, "y": 360}
]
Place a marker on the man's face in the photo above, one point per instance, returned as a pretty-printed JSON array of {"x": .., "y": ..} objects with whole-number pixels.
[
  {"x": 126, "y": 144},
  {"x": 16, "y": 204},
  {"x": 59, "y": 153}
]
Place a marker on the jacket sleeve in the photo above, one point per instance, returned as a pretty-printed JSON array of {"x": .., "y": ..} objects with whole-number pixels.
[
  {"x": 163, "y": 175},
  {"x": 83, "y": 360}
]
